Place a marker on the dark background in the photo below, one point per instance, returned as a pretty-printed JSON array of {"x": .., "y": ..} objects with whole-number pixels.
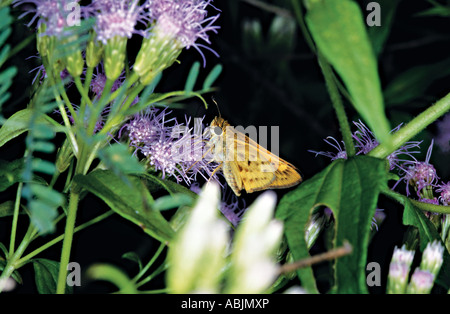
[{"x": 265, "y": 82}]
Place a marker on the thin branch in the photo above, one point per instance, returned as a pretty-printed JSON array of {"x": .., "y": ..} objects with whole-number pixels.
[{"x": 346, "y": 249}]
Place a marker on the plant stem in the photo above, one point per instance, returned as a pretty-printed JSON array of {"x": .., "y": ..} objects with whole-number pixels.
[
  {"x": 338, "y": 106},
  {"x": 421, "y": 205},
  {"x": 301, "y": 22},
  {"x": 11, "y": 265},
  {"x": 413, "y": 128},
  {"x": 12, "y": 242},
  {"x": 29, "y": 256},
  {"x": 150, "y": 263},
  {"x": 68, "y": 237}
]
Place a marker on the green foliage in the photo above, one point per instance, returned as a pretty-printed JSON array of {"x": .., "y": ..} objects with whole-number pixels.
[
  {"x": 132, "y": 201},
  {"x": 43, "y": 202},
  {"x": 7, "y": 75},
  {"x": 338, "y": 30},
  {"x": 350, "y": 189},
  {"x": 46, "y": 274},
  {"x": 414, "y": 82}
]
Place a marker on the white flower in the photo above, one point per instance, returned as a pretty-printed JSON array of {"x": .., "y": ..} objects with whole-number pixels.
[
  {"x": 197, "y": 254},
  {"x": 253, "y": 268},
  {"x": 432, "y": 257}
]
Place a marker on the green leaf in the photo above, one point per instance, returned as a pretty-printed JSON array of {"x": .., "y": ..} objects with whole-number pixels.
[
  {"x": 46, "y": 276},
  {"x": 18, "y": 123},
  {"x": 132, "y": 201},
  {"x": 132, "y": 256},
  {"x": 4, "y": 250},
  {"x": 172, "y": 201},
  {"x": 7, "y": 209},
  {"x": 114, "y": 275},
  {"x": 10, "y": 173},
  {"x": 437, "y": 10},
  {"x": 192, "y": 77},
  {"x": 155, "y": 184},
  {"x": 212, "y": 76},
  {"x": 118, "y": 158},
  {"x": 339, "y": 32},
  {"x": 414, "y": 82},
  {"x": 379, "y": 35},
  {"x": 350, "y": 189}
]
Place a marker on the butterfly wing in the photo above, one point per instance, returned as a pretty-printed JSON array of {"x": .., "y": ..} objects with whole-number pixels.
[{"x": 254, "y": 168}]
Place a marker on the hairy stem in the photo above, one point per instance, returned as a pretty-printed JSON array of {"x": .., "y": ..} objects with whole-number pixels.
[
  {"x": 338, "y": 105},
  {"x": 413, "y": 128}
]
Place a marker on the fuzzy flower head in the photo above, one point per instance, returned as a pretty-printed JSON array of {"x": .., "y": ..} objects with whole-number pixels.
[
  {"x": 185, "y": 20},
  {"x": 170, "y": 147},
  {"x": 365, "y": 142},
  {"x": 397, "y": 278},
  {"x": 444, "y": 189},
  {"x": 420, "y": 175},
  {"x": 117, "y": 18},
  {"x": 364, "y": 137},
  {"x": 421, "y": 282},
  {"x": 55, "y": 14},
  {"x": 432, "y": 257},
  {"x": 340, "y": 154},
  {"x": 176, "y": 24}
]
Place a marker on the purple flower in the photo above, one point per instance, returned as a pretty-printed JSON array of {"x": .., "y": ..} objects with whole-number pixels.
[
  {"x": 365, "y": 139},
  {"x": 377, "y": 218},
  {"x": 433, "y": 201},
  {"x": 231, "y": 207},
  {"x": 117, "y": 18},
  {"x": 184, "y": 20},
  {"x": 420, "y": 174},
  {"x": 170, "y": 147},
  {"x": 340, "y": 154},
  {"x": 53, "y": 13},
  {"x": 366, "y": 142},
  {"x": 444, "y": 189},
  {"x": 443, "y": 137}
]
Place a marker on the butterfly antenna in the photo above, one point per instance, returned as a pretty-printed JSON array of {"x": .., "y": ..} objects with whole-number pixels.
[{"x": 220, "y": 115}]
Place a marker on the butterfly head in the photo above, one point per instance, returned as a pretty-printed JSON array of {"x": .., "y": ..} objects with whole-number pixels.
[{"x": 217, "y": 126}]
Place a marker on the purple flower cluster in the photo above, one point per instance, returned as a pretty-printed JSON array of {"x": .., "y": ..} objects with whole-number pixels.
[
  {"x": 421, "y": 175},
  {"x": 117, "y": 18},
  {"x": 365, "y": 142},
  {"x": 53, "y": 13},
  {"x": 170, "y": 147},
  {"x": 185, "y": 20}
]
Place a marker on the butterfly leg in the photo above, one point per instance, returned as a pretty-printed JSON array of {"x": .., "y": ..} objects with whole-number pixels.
[{"x": 215, "y": 170}]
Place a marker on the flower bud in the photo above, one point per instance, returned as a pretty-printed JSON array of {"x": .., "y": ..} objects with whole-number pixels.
[
  {"x": 421, "y": 282},
  {"x": 432, "y": 258},
  {"x": 94, "y": 51}
]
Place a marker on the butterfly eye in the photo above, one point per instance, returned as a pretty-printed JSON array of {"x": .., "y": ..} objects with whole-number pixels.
[{"x": 218, "y": 130}]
